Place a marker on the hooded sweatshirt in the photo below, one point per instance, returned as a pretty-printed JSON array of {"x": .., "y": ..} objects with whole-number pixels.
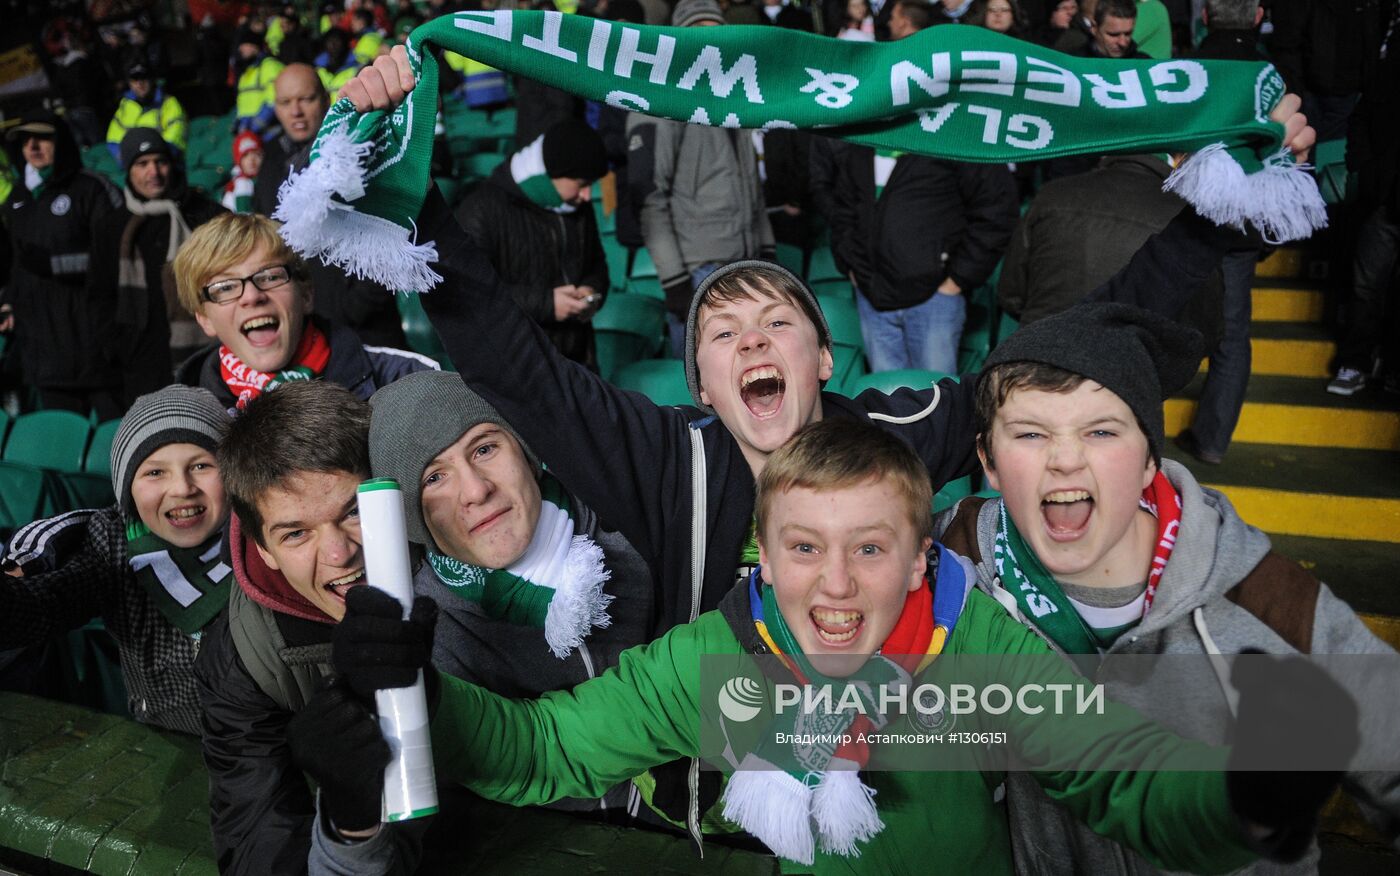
[{"x": 1223, "y": 590}]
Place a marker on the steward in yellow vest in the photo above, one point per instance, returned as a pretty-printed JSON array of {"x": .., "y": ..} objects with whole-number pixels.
[
  {"x": 257, "y": 71},
  {"x": 146, "y": 105}
]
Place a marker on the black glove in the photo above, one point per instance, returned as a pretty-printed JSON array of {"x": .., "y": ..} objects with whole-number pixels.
[
  {"x": 374, "y": 648},
  {"x": 678, "y": 295},
  {"x": 336, "y": 740},
  {"x": 1288, "y": 707}
]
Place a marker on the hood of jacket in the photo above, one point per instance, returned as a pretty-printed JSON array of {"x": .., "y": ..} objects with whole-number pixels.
[{"x": 67, "y": 160}]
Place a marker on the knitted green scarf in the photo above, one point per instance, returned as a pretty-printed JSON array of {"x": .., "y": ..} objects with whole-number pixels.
[
  {"x": 189, "y": 586},
  {"x": 954, "y": 92}
]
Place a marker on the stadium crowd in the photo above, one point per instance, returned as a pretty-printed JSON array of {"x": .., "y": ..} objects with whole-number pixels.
[{"x": 684, "y": 390}]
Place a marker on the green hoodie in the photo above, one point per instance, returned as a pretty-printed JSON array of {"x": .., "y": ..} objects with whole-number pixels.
[{"x": 646, "y": 712}]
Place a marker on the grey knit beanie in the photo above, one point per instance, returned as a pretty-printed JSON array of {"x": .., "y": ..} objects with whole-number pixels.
[
  {"x": 780, "y": 274},
  {"x": 1140, "y": 356},
  {"x": 173, "y": 415},
  {"x": 414, "y": 419},
  {"x": 688, "y": 12}
]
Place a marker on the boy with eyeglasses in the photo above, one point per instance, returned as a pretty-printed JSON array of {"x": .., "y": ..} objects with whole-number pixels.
[{"x": 252, "y": 294}]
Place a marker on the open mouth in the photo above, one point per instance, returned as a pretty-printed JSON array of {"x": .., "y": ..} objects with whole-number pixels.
[
  {"x": 1066, "y": 513},
  {"x": 761, "y": 390},
  {"x": 186, "y": 516},
  {"x": 341, "y": 586},
  {"x": 836, "y": 627},
  {"x": 261, "y": 331}
]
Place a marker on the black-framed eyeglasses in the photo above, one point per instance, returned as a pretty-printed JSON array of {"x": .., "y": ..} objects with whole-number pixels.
[{"x": 224, "y": 291}]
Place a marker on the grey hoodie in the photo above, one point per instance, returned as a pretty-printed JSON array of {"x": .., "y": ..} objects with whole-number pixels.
[{"x": 1191, "y": 614}]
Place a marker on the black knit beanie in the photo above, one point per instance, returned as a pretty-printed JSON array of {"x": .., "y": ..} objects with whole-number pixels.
[
  {"x": 1141, "y": 357},
  {"x": 572, "y": 150}
]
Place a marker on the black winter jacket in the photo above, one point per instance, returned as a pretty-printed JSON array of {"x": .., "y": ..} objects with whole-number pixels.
[
  {"x": 533, "y": 250},
  {"x": 62, "y": 322},
  {"x": 1327, "y": 46},
  {"x": 354, "y": 366},
  {"x": 935, "y": 219}
]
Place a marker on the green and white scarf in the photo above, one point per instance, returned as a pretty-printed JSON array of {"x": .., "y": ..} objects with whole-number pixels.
[
  {"x": 189, "y": 586},
  {"x": 527, "y": 169},
  {"x": 956, "y": 92},
  {"x": 1036, "y": 593},
  {"x": 556, "y": 585}
]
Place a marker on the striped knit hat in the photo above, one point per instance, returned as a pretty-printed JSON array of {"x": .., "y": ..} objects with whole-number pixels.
[{"x": 174, "y": 415}]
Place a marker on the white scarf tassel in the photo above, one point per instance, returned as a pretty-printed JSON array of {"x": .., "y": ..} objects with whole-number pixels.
[
  {"x": 1281, "y": 200},
  {"x": 844, "y": 809},
  {"x": 579, "y": 603},
  {"x": 773, "y": 806}
]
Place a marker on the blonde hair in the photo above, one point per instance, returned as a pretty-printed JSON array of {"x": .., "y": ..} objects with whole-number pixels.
[
  {"x": 837, "y": 453},
  {"x": 226, "y": 240}
]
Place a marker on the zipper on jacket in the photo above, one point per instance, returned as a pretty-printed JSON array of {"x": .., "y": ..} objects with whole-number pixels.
[{"x": 699, "y": 503}]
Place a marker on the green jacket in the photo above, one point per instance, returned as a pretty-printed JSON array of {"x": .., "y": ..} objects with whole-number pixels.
[{"x": 647, "y": 711}]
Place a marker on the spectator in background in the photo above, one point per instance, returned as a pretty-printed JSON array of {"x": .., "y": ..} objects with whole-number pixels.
[
  {"x": 130, "y": 259},
  {"x": 336, "y": 65},
  {"x": 1231, "y": 37},
  {"x": 145, "y": 47},
  {"x": 1076, "y": 38},
  {"x": 252, "y": 294},
  {"x": 61, "y": 328},
  {"x": 533, "y": 220},
  {"x": 700, "y": 194},
  {"x": 1373, "y": 153},
  {"x": 1001, "y": 16},
  {"x": 212, "y": 48},
  {"x": 366, "y": 37},
  {"x": 247, "y": 162},
  {"x": 146, "y": 105},
  {"x": 297, "y": 46},
  {"x": 254, "y": 72},
  {"x": 914, "y": 234},
  {"x": 1153, "y": 31},
  {"x": 76, "y": 80},
  {"x": 742, "y": 12},
  {"x": 611, "y": 123},
  {"x": 944, "y": 12},
  {"x": 539, "y": 106},
  {"x": 859, "y": 23},
  {"x": 1061, "y": 18},
  {"x": 1112, "y": 31},
  {"x": 1327, "y": 52},
  {"x": 786, "y": 14}
]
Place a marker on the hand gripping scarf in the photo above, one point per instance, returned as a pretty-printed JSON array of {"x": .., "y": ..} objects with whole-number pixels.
[
  {"x": 955, "y": 92},
  {"x": 820, "y": 801}
]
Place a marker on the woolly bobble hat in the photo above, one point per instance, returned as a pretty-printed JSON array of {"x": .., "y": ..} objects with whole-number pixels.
[
  {"x": 244, "y": 143},
  {"x": 174, "y": 415},
  {"x": 140, "y": 142},
  {"x": 688, "y": 12},
  {"x": 1141, "y": 357},
  {"x": 574, "y": 150},
  {"x": 805, "y": 299},
  {"x": 414, "y": 419}
]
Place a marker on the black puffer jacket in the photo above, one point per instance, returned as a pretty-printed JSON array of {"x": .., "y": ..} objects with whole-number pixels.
[
  {"x": 61, "y": 322},
  {"x": 1327, "y": 46},
  {"x": 935, "y": 219},
  {"x": 533, "y": 250}
]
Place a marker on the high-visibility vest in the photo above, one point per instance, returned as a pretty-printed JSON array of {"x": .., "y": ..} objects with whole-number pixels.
[
  {"x": 274, "y": 35},
  {"x": 255, "y": 87},
  {"x": 481, "y": 85},
  {"x": 333, "y": 81},
  {"x": 164, "y": 114},
  {"x": 367, "y": 46}
]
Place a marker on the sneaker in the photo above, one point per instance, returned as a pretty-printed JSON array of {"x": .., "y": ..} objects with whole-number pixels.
[
  {"x": 1348, "y": 381},
  {"x": 1187, "y": 441}
]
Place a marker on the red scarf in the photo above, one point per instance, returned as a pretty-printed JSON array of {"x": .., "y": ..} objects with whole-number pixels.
[
  {"x": 263, "y": 584},
  {"x": 247, "y": 383},
  {"x": 1162, "y": 499}
]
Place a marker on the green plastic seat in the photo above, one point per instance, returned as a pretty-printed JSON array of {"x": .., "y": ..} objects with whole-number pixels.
[
  {"x": 832, "y": 287},
  {"x": 661, "y": 380},
  {"x": 648, "y": 286},
  {"x": 4, "y": 424},
  {"x": 627, "y": 329},
  {"x": 99, "y": 454},
  {"x": 86, "y": 490},
  {"x": 480, "y": 164},
  {"x": 790, "y": 257},
  {"x": 847, "y": 346},
  {"x": 642, "y": 265},
  {"x": 27, "y": 493},
  {"x": 952, "y": 493},
  {"x": 823, "y": 266},
  {"x": 607, "y": 222},
  {"x": 49, "y": 439},
  {"x": 889, "y": 381},
  {"x": 616, "y": 255}
]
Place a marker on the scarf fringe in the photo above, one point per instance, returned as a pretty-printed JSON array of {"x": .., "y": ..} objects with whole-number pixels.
[
  {"x": 315, "y": 224},
  {"x": 844, "y": 809},
  {"x": 773, "y": 806},
  {"x": 1281, "y": 200},
  {"x": 579, "y": 603}
]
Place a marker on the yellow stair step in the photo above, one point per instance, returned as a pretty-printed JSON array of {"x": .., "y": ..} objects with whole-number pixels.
[
  {"x": 1317, "y": 515},
  {"x": 1278, "y": 357},
  {"x": 1276, "y": 304},
  {"x": 1302, "y": 425},
  {"x": 1282, "y": 264},
  {"x": 1386, "y": 628}
]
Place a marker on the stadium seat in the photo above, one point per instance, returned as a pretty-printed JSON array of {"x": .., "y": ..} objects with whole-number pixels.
[
  {"x": 889, "y": 381},
  {"x": 979, "y": 330},
  {"x": 847, "y": 347},
  {"x": 27, "y": 493},
  {"x": 661, "y": 380},
  {"x": 419, "y": 332},
  {"x": 49, "y": 439},
  {"x": 823, "y": 266},
  {"x": 616, "y": 255},
  {"x": 479, "y": 165},
  {"x": 952, "y": 493},
  {"x": 642, "y": 265},
  {"x": 790, "y": 257},
  {"x": 627, "y": 329},
  {"x": 648, "y": 286},
  {"x": 4, "y": 427},
  {"x": 832, "y": 287}
]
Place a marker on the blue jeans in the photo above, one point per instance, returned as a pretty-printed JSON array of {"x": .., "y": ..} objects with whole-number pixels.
[
  {"x": 924, "y": 336},
  {"x": 675, "y": 327},
  {"x": 1219, "y": 410}
]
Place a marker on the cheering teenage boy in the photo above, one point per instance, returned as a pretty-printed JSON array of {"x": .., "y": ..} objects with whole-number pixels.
[
  {"x": 1103, "y": 547},
  {"x": 842, "y": 513}
]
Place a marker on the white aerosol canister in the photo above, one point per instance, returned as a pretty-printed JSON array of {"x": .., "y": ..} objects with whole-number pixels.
[{"x": 410, "y": 788}]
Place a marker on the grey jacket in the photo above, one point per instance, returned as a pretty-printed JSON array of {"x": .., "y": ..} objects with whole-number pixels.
[
  {"x": 1200, "y": 608},
  {"x": 700, "y": 194}
]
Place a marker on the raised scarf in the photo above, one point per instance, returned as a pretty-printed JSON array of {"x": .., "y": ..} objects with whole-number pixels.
[
  {"x": 556, "y": 585},
  {"x": 527, "y": 169},
  {"x": 1039, "y": 595},
  {"x": 955, "y": 92},
  {"x": 816, "y": 799},
  {"x": 189, "y": 586},
  {"x": 247, "y": 383},
  {"x": 132, "y": 295}
]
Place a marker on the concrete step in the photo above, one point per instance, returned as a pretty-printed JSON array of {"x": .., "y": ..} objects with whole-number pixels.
[
  {"x": 1289, "y": 349},
  {"x": 1298, "y": 411},
  {"x": 1278, "y": 303},
  {"x": 1361, "y": 573}
]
